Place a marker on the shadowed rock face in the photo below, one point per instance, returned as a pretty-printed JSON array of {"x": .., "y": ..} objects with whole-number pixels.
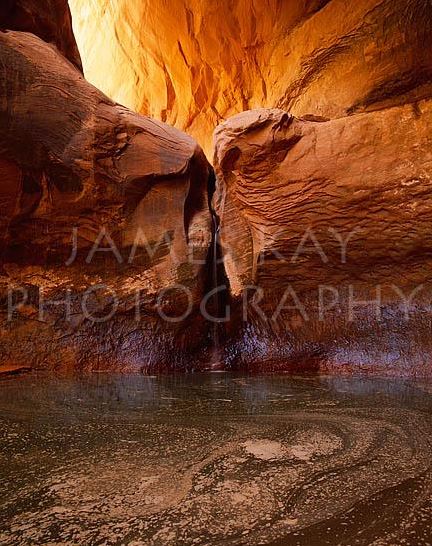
[
  {"x": 76, "y": 165},
  {"x": 194, "y": 63},
  {"x": 321, "y": 216},
  {"x": 49, "y": 19}
]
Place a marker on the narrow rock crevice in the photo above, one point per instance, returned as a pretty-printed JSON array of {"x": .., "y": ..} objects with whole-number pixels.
[{"x": 217, "y": 287}]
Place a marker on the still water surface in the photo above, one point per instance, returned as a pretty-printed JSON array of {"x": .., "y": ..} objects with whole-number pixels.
[{"x": 215, "y": 459}]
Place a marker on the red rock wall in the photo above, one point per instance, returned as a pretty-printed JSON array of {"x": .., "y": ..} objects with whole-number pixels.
[
  {"x": 72, "y": 159},
  {"x": 290, "y": 190},
  {"x": 194, "y": 63},
  {"x": 49, "y": 19}
]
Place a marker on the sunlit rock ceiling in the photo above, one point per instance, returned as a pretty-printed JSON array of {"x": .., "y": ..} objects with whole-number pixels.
[{"x": 193, "y": 63}]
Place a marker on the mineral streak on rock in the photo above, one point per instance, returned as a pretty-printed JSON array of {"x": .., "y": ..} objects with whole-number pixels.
[
  {"x": 290, "y": 192},
  {"x": 49, "y": 19},
  {"x": 74, "y": 162},
  {"x": 194, "y": 63}
]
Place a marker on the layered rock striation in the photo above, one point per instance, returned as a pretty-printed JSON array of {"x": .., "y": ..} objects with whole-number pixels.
[
  {"x": 326, "y": 230},
  {"x": 110, "y": 220}
]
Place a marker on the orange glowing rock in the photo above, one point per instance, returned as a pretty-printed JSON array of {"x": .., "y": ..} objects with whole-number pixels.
[{"x": 195, "y": 63}]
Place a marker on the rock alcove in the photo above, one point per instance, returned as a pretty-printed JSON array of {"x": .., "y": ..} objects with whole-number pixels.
[{"x": 322, "y": 197}]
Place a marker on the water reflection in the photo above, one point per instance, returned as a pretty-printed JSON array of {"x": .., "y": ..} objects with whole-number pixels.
[{"x": 105, "y": 395}]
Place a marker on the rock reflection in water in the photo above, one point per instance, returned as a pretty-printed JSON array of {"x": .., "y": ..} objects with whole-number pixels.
[{"x": 214, "y": 459}]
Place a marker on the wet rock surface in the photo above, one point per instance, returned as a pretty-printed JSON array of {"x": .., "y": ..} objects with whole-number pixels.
[
  {"x": 214, "y": 459},
  {"x": 325, "y": 229},
  {"x": 108, "y": 252}
]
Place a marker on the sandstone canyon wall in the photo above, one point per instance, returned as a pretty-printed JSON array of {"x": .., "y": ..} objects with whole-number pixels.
[
  {"x": 322, "y": 203},
  {"x": 194, "y": 63},
  {"x": 80, "y": 173},
  {"x": 327, "y": 234},
  {"x": 49, "y": 19}
]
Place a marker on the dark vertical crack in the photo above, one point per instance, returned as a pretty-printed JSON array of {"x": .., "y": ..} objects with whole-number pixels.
[{"x": 217, "y": 280}]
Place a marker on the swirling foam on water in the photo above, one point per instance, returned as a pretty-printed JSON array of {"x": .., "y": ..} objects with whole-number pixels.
[{"x": 214, "y": 459}]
